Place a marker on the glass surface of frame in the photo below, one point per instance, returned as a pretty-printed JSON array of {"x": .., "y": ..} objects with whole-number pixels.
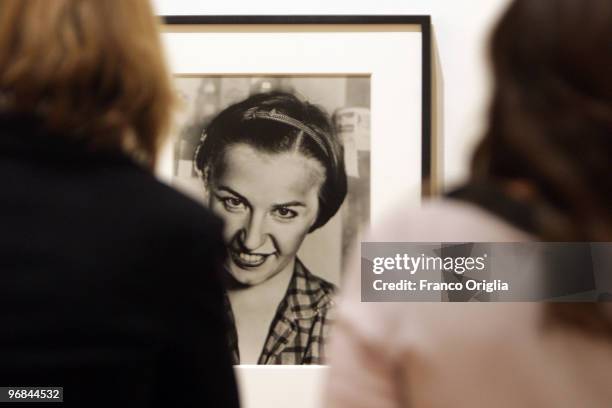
[{"x": 370, "y": 76}]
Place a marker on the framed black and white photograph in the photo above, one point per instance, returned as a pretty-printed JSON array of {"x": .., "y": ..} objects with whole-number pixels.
[
  {"x": 343, "y": 103},
  {"x": 297, "y": 131}
]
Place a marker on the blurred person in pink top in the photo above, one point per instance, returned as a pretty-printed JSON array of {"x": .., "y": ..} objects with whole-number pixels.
[{"x": 541, "y": 172}]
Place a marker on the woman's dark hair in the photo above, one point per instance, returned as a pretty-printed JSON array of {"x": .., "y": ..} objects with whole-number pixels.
[
  {"x": 551, "y": 115},
  {"x": 278, "y": 122},
  {"x": 550, "y": 122}
]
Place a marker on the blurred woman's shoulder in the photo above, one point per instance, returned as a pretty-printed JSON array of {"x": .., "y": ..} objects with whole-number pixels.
[
  {"x": 447, "y": 219},
  {"x": 438, "y": 351},
  {"x": 90, "y": 196}
]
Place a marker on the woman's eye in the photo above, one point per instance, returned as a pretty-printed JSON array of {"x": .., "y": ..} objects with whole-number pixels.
[
  {"x": 285, "y": 213},
  {"x": 232, "y": 203}
]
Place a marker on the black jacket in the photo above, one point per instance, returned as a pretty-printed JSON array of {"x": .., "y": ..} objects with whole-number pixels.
[{"x": 109, "y": 281}]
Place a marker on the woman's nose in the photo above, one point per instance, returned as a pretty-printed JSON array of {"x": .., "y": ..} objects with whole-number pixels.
[{"x": 254, "y": 235}]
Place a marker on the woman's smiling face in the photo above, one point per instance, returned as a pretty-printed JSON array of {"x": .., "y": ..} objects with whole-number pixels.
[{"x": 268, "y": 201}]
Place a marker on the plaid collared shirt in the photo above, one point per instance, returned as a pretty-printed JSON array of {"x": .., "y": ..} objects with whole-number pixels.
[{"x": 301, "y": 325}]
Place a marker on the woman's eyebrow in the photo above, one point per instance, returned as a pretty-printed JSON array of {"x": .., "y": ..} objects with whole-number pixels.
[
  {"x": 229, "y": 190},
  {"x": 290, "y": 204}
]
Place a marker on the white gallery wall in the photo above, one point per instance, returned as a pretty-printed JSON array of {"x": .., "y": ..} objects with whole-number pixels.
[{"x": 460, "y": 28}]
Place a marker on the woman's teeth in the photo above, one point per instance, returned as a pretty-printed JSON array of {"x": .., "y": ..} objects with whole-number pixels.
[{"x": 250, "y": 258}]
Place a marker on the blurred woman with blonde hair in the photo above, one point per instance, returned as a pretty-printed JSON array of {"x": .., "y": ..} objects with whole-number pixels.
[{"x": 109, "y": 284}]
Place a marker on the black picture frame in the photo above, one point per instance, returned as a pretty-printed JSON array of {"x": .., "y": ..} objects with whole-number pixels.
[{"x": 423, "y": 21}]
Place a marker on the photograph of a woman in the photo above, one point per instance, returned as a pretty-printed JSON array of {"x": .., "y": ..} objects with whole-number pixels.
[
  {"x": 271, "y": 165},
  {"x": 274, "y": 171}
]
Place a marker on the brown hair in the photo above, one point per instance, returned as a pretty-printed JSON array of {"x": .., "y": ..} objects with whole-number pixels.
[
  {"x": 550, "y": 123},
  {"x": 89, "y": 69}
]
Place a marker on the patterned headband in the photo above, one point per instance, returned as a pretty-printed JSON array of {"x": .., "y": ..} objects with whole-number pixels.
[{"x": 254, "y": 113}]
